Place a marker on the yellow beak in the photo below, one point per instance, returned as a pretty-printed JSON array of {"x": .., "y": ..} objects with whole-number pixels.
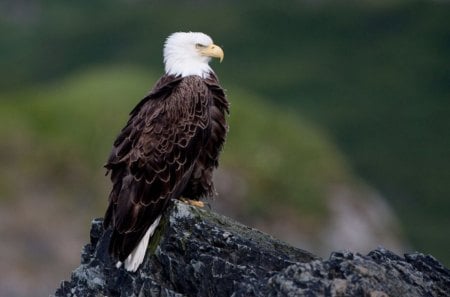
[{"x": 213, "y": 51}]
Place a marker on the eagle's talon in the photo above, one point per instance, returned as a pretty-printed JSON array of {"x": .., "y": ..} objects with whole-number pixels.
[{"x": 196, "y": 203}]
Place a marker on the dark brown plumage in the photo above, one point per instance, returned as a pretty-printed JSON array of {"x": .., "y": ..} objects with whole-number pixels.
[{"x": 168, "y": 149}]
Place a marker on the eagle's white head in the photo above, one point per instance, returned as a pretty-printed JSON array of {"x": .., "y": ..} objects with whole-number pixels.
[{"x": 188, "y": 53}]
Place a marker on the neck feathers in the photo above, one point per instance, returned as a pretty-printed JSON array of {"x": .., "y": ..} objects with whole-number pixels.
[{"x": 187, "y": 67}]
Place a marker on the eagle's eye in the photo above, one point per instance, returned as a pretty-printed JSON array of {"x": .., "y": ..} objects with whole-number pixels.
[{"x": 199, "y": 45}]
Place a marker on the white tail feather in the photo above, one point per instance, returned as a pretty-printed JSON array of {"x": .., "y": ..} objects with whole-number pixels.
[{"x": 136, "y": 257}]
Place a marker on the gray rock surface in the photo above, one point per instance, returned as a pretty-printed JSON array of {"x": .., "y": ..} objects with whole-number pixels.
[
  {"x": 195, "y": 252},
  {"x": 379, "y": 274}
]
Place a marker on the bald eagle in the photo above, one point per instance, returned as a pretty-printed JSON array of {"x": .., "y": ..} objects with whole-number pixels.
[{"x": 169, "y": 147}]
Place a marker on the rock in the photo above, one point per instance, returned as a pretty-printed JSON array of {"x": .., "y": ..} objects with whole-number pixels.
[
  {"x": 195, "y": 252},
  {"x": 379, "y": 274}
]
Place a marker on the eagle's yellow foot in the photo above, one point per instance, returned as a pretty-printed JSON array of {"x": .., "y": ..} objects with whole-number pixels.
[{"x": 196, "y": 203}]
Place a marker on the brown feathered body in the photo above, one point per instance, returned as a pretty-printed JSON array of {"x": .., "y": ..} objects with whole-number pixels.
[{"x": 167, "y": 150}]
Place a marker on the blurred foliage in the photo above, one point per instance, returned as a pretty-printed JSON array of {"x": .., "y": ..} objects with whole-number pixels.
[
  {"x": 286, "y": 160},
  {"x": 374, "y": 74}
]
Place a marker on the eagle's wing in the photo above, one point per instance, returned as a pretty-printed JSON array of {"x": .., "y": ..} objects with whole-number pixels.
[
  {"x": 201, "y": 181},
  {"x": 153, "y": 157}
]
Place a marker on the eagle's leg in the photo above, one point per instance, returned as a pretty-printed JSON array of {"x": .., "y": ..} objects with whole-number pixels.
[{"x": 196, "y": 203}]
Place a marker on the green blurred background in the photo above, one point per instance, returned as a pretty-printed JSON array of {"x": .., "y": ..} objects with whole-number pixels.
[{"x": 339, "y": 121}]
